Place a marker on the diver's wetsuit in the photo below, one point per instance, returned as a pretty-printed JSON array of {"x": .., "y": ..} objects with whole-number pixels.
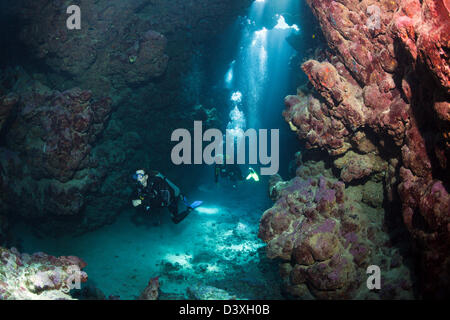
[
  {"x": 158, "y": 193},
  {"x": 231, "y": 171}
]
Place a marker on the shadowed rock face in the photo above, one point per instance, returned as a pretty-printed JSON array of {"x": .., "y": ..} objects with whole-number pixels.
[
  {"x": 151, "y": 292},
  {"x": 122, "y": 43},
  {"x": 3, "y": 229},
  {"x": 46, "y": 162},
  {"x": 381, "y": 110}
]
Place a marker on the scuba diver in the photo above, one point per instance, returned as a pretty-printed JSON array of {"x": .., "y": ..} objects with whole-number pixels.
[
  {"x": 153, "y": 190},
  {"x": 231, "y": 171}
]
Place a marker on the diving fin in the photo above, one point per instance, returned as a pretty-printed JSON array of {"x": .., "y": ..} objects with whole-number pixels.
[
  {"x": 195, "y": 204},
  {"x": 252, "y": 175}
]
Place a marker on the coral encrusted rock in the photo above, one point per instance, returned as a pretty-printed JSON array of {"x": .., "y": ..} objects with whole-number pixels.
[
  {"x": 46, "y": 164},
  {"x": 121, "y": 43},
  {"x": 382, "y": 104},
  {"x": 326, "y": 239},
  {"x": 38, "y": 276}
]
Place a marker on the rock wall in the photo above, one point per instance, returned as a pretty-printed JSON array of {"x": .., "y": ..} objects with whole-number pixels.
[
  {"x": 381, "y": 110},
  {"x": 45, "y": 160}
]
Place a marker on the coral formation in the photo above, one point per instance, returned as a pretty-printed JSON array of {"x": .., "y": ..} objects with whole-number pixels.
[
  {"x": 46, "y": 162},
  {"x": 4, "y": 229},
  {"x": 151, "y": 292},
  {"x": 382, "y": 105},
  {"x": 38, "y": 276}
]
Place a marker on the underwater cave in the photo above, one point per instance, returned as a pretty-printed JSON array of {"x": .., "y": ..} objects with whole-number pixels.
[{"x": 224, "y": 150}]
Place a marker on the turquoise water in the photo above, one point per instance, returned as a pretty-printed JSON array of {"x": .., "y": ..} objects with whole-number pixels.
[{"x": 216, "y": 245}]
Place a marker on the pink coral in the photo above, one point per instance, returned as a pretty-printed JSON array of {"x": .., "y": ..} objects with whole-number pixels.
[{"x": 388, "y": 81}]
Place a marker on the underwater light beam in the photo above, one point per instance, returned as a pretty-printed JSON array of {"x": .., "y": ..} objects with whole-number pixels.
[
  {"x": 281, "y": 24},
  {"x": 236, "y": 96},
  {"x": 237, "y": 123},
  {"x": 230, "y": 75},
  {"x": 207, "y": 210}
]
